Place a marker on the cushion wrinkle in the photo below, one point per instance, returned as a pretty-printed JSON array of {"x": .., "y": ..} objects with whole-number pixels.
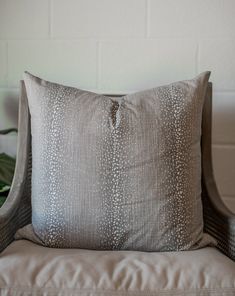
[{"x": 70, "y": 271}]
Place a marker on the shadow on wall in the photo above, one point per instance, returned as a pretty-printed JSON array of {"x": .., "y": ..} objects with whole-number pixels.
[
  {"x": 11, "y": 104},
  {"x": 9, "y": 118},
  {"x": 224, "y": 118},
  {"x": 224, "y": 145}
]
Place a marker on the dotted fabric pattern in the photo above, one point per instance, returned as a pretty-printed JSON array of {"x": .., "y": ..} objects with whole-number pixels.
[{"x": 117, "y": 173}]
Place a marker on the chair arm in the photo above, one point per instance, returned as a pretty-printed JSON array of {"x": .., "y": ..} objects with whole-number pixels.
[
  {"x": 16, "y": 211},
  {"x": 219, "y": 221},
  {"x": 10, "y": 219}
]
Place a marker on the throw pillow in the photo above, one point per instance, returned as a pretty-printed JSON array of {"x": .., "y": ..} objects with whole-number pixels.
[{"x": 117, "y": 173}]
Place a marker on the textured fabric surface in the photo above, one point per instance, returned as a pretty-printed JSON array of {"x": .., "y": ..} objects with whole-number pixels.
[
  {"x": 117, "y": 173},
  {"x": 30, "y": 269}
]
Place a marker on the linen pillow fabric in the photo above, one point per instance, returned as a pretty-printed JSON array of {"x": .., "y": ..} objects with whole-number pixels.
[{"x": 117, "y": 173}]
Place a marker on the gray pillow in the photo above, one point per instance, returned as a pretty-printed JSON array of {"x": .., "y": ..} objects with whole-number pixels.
[{"x": 117, "y": 173}]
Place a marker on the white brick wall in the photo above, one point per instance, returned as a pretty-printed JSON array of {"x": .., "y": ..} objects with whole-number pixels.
[
  {"x": 71, "y": 62},
  {"x": 121, "y": 46},
  {"x": 129, "y": 65},
  {"x": 102, "y": 18}
]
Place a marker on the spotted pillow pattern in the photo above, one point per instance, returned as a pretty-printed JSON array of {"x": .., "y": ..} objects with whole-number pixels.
[{"x": 117, "y": 173}]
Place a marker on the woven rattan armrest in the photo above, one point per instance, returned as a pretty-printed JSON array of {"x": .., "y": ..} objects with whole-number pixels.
[
  {"x": 219, "y": 221},
  {"x": 16, "y": 211}
]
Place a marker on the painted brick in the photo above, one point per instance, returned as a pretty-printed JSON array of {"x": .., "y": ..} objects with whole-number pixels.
[
  {"x": 224, "y": 169},
  {"x": 183, "y": 18},
  {"x": 218, "y": 57},
  {"x": 140, "y": 64},
  {"x": 169, "y": 18},
  {"x": 223, "y": 118},
  {"x": 3, "y": 63},
  {"x": 79, "y": 18},
  {"x": 229, "y": 202},
  {"x": 67, "y": 62},
  {"x": 24, "y": 19}
]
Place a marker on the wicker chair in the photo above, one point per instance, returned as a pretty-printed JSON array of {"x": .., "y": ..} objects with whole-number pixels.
[{"x": 219, "y": 221}]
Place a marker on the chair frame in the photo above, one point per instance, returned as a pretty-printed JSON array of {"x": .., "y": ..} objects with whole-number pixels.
[{"x": 15, "y": 213}]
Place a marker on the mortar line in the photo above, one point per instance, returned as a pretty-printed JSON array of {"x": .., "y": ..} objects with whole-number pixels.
[
  {"x": 223, "y": 145},
  {"x": 229, "y": 197},
  {"x": 197, "y": 58},
  {"x": 98, "y": 64},
  {"x": 7, "y": 64},
  {"x": 50, "y": 18},
  {"x": 147, "y": 18}
]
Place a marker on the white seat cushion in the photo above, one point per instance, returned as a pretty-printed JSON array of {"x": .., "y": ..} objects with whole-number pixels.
[{"x": 30, "y": 269}]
